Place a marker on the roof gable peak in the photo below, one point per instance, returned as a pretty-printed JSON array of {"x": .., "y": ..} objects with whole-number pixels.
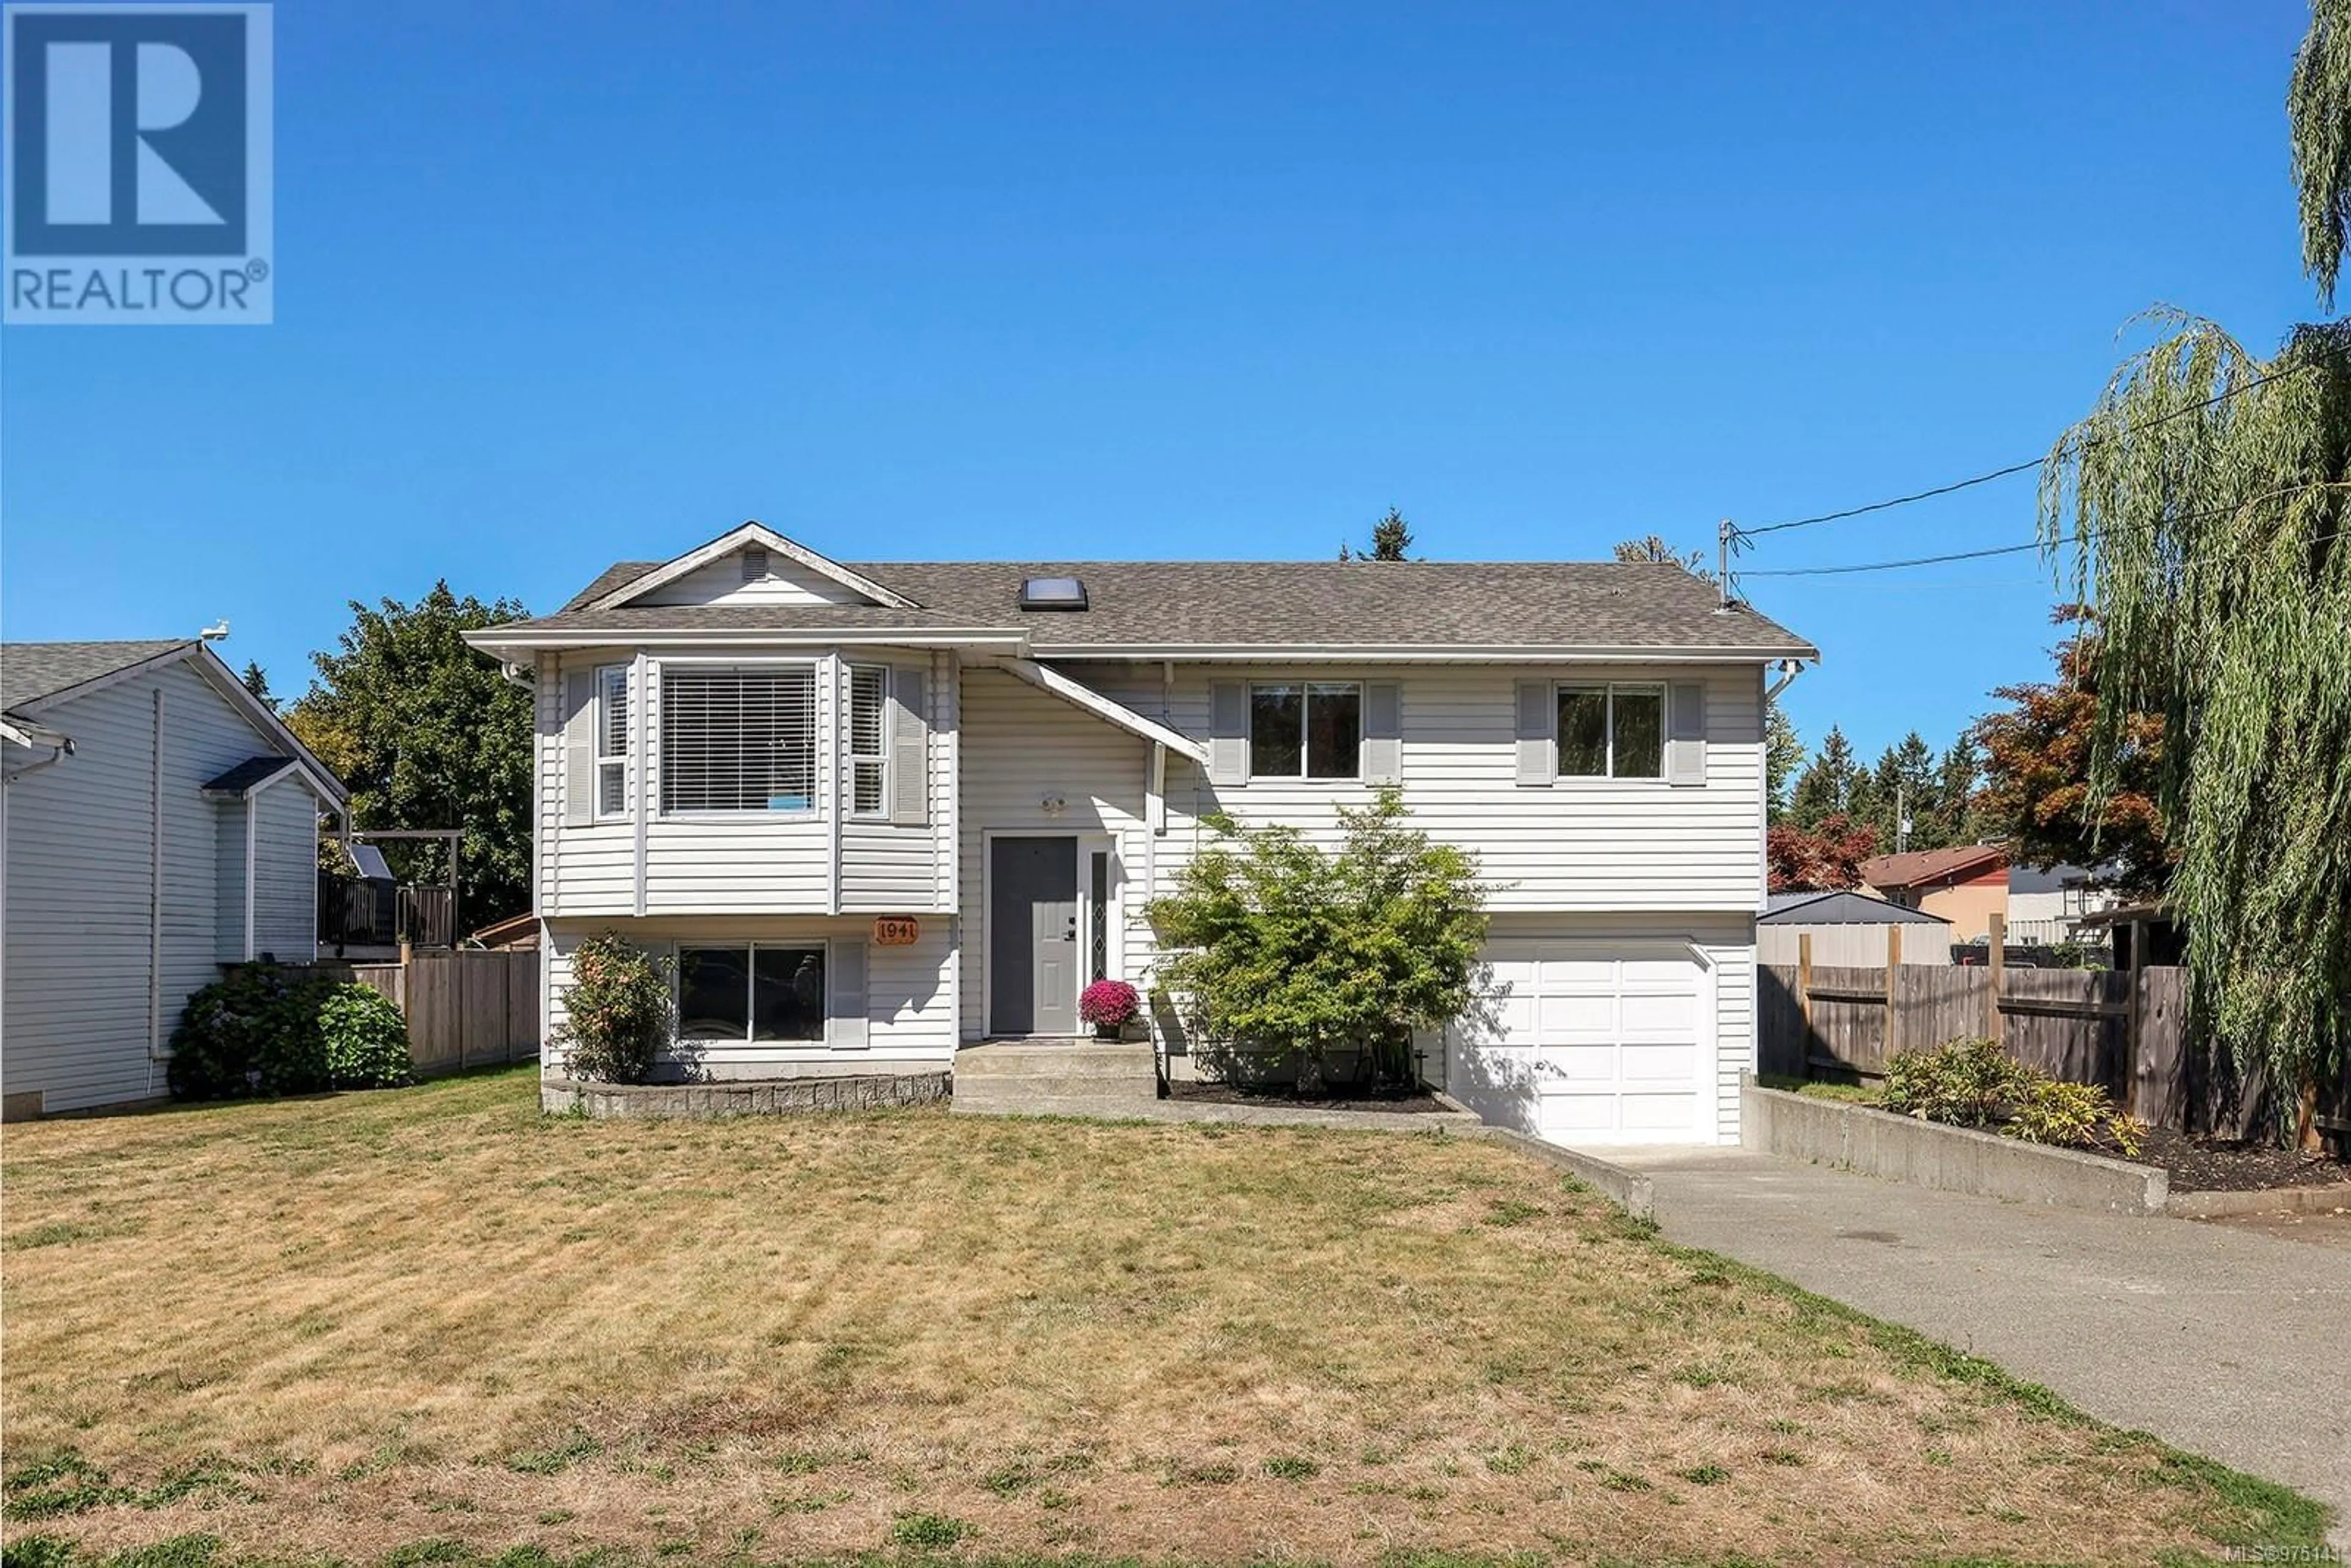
[{"x": 751, "y": 535}]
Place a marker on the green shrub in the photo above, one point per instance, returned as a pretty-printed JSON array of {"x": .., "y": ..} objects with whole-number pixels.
[
  {"x": 618, "y": 1018},
  {"x": 1975, "y": 1083},
  {"x": 1963, "y": 1083},
  {"x": 268, "y": 1031},
  {"x": 366, "y": 1038},
  {"x": 1272, "y": 942},
  {"x": 2070, "y": 1116},
  {"x": 256, "y": 1033}
]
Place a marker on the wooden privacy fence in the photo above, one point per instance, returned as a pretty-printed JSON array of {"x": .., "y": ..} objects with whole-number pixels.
[
  {"x": 465, "y": 1009},
  {"x": 2123, "y": 1029}
]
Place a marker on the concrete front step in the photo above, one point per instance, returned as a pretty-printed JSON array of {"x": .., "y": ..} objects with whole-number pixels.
[
  {"x": 1008, "y": 1091},
  {"x": 1056, "y": 1060}
]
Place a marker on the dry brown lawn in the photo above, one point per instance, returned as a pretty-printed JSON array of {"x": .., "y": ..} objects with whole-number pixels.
[{"x": 347, "y": 1326}]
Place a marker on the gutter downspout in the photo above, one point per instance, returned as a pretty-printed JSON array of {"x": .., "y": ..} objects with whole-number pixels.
[
  {"x": 252, "y": 821},
  {"x": 1789, "y": 669},
  {"x": 155, "y": 896}
]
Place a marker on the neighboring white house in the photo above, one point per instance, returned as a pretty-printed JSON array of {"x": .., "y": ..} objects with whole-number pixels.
[
  {"x": 156, "y": 821},
  {"x": 878, "y": 811},
  {"x": 2045, "y": 904}
]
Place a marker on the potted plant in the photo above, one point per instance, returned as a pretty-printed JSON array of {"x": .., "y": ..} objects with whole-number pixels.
[{"x": 1109, "y": 1006}]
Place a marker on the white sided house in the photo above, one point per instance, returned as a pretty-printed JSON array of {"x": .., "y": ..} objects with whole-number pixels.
[
  {"x": 156, "y": 821},
  {"x": 879, "y": 812}
]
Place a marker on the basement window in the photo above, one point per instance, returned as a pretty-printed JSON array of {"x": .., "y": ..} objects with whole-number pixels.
[{"x": 1052, "y": 593}]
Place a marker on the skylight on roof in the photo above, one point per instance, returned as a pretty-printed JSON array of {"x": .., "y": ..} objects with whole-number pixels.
[{"x": 1052, "y": 593}]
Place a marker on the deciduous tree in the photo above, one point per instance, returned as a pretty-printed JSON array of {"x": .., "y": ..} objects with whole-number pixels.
[
  {"x": 1823, "y": 860},
  {"x": 2041, "y": 752},
  {"x": 428, "y": 734},
  {"x": 2208, "y": 499}
]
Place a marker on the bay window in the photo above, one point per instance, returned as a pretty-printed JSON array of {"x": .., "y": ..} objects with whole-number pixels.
[{"x": 738, "y": 738}]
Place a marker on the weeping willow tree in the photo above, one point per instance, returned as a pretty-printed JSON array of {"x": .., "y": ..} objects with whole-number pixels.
[{"x": 2206, "y": 505}]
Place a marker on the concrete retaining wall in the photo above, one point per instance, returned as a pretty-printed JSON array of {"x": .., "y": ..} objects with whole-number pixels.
[
  {"x": 1948, "y": 1159},
  {"x": 766, "y": 1097},
  {"x": 1629, "y": 1190}
]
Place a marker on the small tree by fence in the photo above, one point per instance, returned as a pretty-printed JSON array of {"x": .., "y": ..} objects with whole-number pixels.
[{"x": 2124, "y": 1030}]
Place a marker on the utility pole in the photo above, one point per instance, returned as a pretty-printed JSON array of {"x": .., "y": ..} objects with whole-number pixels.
[
  {"x": 1722, "y": 534},
  {"x": 1901, "y": 817}
]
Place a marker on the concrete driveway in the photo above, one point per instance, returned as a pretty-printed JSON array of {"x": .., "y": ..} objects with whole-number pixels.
[{"x": 2221, "y": 1341}]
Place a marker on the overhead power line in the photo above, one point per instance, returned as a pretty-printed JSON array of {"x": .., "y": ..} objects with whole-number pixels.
[
  {"x": 2010, "y": 471},
  {"x": 1986, "y": 554}
]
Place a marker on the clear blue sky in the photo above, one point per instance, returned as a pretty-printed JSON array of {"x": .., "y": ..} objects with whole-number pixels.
[{"x": 558, "y": 285}]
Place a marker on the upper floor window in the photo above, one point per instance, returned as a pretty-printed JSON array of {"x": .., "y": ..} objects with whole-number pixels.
[
  {"x": 868, "y": 740},
  {"x": 1306, "y": 729},
  {"x": 738, "y": 738},
  {"x": 1612, "y": 731},
  {"x": 613, "y": 740}
]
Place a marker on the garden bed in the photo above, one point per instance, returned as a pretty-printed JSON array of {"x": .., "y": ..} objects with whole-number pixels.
[
  {"x": 2199, "y": 1164},
  {"x": 1339, "y": 1097}
]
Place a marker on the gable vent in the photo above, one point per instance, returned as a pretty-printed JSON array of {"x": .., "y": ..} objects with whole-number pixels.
[
  {"x": 755, "y": 562},
  {"x": 1052, "y": 593}
]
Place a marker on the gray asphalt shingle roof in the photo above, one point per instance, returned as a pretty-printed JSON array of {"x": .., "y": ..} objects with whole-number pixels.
[
  {"x": 31, "y": 671},
  {"x": 1580, "y": 604},
  {"x": 246, "y": 774}
]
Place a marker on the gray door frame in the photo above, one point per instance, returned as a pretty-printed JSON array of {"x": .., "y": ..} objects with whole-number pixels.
[{"x": 1026, "y": 935}]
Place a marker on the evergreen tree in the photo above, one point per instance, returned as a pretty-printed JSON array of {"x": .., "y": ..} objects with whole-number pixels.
[
  {"x": 258, "y": 682},
  {"x": 1825, "y": 787},
  {"x": 1391, "y": 538},
  {"x": 1783, "y": 756}
]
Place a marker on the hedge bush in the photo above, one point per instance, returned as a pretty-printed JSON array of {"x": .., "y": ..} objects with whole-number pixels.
[
  {"x": 266, "y": 1031},
  {"x": 618, "y": 1016},
  {"x": 1975, "y": 1083}
]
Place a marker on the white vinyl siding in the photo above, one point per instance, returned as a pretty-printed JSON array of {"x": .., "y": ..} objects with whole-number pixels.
[
  {"x": 756, "y": 861},
  {"x": 1021, "y": 746},
  {"x": 79, "y": 867},
  {"x": 778, "y": 581},
  {"x": 910, "y": 1021},
  {"x": 1604, "y": 844},
  {"x": 286, "y": 872}
]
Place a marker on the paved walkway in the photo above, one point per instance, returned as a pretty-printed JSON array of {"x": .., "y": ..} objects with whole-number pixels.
[{"x": 2218, "y": 1340}]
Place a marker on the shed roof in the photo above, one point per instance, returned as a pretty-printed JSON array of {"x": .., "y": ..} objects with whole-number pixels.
[
  {"x": 253, "y": 771},
  {"x": 1841, "y": 909}
]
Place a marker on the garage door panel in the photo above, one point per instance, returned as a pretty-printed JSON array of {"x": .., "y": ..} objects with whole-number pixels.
[
  {"x": 1583, "y": 973},
  {"x": 1567, "y": 1117},
  {"x": 1667, "y": 972},
  {"x": 1582, "y": 1063},
  {"x": 1645, "y": 1064},
  {"x": 1661, "y": 1015},
  {"x": 1565, "y": 1017}
]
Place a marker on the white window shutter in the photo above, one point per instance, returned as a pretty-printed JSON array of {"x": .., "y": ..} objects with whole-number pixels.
[
  {"x": 579, "y": 749},
  {"x": 1686, "y": 735},
  {"x": 845, "y": 997},
  {"x": 1229, "y": 758},
  {"x": 910, "y": 749},
  {"x": 1538, "y": 714},
  {"x": 1382, "y": 732}
]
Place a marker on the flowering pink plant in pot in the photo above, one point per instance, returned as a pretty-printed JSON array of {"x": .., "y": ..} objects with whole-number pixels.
[{"x": 1109, "y": 1006}]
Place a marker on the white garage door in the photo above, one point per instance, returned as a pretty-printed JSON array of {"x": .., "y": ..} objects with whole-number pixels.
[{"x": 1595, "y": 1043}]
